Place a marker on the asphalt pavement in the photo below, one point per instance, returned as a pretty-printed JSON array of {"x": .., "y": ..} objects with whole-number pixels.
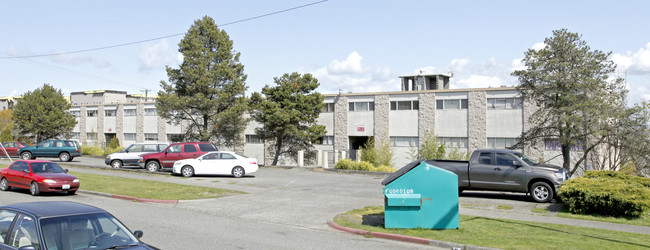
[{"x": 309, "y": 198}]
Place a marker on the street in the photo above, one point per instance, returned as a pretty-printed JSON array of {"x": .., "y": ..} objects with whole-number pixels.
[{"x": 284, "y": 209}]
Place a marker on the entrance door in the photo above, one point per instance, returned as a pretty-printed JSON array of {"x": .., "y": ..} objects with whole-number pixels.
[{"x": 356, "y": 143}]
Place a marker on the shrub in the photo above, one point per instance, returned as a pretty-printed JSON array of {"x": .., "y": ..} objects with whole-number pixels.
[
  {"x": 361, "y": 166},
  {"x": 606, "y": 193},
  {"x": 92, "y": 150}
]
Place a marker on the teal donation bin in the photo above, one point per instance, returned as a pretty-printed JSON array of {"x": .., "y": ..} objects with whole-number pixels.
[{"x": 421, "y": 195}]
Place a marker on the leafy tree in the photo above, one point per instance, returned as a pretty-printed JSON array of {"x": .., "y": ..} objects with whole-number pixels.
[
  {"x": 574, "y": 94},
  {"x": 208, "y": 89},
  {"x": 6, "y": 125},
  {"x": 432, "y": 148},
  {"x": 43, "y": 113},
  {"x": 378, "y": 154},
  {"x": 288, "y": 113},
  {"x": 628, "y": 147}
]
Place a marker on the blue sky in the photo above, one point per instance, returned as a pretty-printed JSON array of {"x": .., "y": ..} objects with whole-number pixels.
[{"x": 354, "y": 46}]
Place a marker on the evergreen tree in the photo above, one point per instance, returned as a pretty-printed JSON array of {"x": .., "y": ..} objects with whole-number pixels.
[
  {"x": 208, "y": 90},
  {"x": 575, "y": 95},
  {"x": 288, "y": 113}
]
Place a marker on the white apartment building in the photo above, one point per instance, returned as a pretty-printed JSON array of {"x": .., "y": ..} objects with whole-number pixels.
[{"x": 468, "y": 119}]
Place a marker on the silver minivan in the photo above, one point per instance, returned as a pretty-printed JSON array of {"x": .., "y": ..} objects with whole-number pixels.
[{"x": 131, "y": 154}]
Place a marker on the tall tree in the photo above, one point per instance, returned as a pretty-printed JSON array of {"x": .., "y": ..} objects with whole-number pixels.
[
  {"x": 208, "y": 90},
  {"x": 43, "y": 113},
  {"x": 288, "y": 113},
  {"x": 574, "y": 93}
]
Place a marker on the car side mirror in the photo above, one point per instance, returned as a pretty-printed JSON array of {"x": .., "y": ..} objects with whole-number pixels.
[
  {"x": 66, "y": 170},
  {"x": 138, "y": 233},
  {"x": 516, "y": 163},
  {"x": 30, "y": 247}
]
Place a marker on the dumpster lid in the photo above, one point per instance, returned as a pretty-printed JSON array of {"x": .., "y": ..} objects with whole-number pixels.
[{"x": 401, "y": 172}]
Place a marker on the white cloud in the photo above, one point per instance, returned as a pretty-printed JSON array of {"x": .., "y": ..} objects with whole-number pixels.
[
  {"x": 634, "y": 63},
  {"x": 156, "y": 55},
  {"x": 351, "y": 65},
  {"x": 538, "y": 46},
  {"x": 74, "y": 59},
  {"x": 480, "y": 81},
  {"x": 350, "y": 75}
]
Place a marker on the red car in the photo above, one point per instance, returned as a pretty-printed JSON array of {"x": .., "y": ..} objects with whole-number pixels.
[
  {"x": 38, "y": 176},
  {"x": 12, "y": 148}
]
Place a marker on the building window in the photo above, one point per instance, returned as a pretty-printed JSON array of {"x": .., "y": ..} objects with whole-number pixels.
[
  {"x": 404, "y": 141},
  {"x": 454, "y": 142},
  {"x": 130, "y": 112},
  {"x": 325, "y": 140},
  {"x": 150, "y": 112},
  {"x": 174, "y": 137},
  {"x": 555, "y": 145},
  {"x": 501, "y": 143},
  {"x": 110, "y": 112},
  {"x": 504, "y": 103},
  {"x": 91, "y": 113},
  {"x": 129, "y": 136},
  {"x": 91, "y": 136},
  {"x": 452, "y": 104},
  {"x": 404, "y": 105},
  {"x": 150, "y": 136},
  {"x": 75, "y": 135},
  {"x": 75, "y": 113},
  {"x": 362, "y": 106},
  {"x": 328, "y": 107},
  {"x": 253, "y": 139}
]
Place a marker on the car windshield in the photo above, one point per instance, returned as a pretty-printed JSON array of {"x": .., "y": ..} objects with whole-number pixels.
[
  {"x": 98, "y": 231},
  {"x": 526, "y": 159},
  {"x": 46, "y": 167}
]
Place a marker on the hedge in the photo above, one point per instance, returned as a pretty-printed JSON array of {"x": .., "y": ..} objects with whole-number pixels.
[
  {"x": 362, "y": 166},
  {"x": 607, "y": 193}
]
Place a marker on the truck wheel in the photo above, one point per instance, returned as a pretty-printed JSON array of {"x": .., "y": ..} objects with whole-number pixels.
[
  {"x": 26, "y": 156},
  {"x": 153, "y": 166},
  {"x": 541, "y": 192}
]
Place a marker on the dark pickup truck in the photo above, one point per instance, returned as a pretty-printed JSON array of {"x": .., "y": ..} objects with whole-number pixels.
[{"x": 505, "y": 170}]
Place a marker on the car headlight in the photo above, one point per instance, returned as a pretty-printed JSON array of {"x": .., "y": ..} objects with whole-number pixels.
[
  {"x": 559, "y": 175},
  {"x": 49, "y": 181},
  {"x": 75, "y": 180}
]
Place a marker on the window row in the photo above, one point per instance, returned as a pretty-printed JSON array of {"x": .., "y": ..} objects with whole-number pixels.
[
  {"x": 404, "y": 141},
  {"x": 452, "y": 104},
  {"x": 404, "y": 105},
  {"x": 556, "y": 145},
  {"x": 501, "y": 143},
  {"x": 113, "y": 112},
  {"x": 362, "y": 106},
  {"x": 504, "y": 103}
]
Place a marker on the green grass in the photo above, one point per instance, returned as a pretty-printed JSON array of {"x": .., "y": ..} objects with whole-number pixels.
[
  {"x": 504, "y": 207},
  {"x": 644, "y": 220},
  {"x": 540, "y": 210},
  {"x": 507, "y": 234},
  {"x": 148, "y": 189}
]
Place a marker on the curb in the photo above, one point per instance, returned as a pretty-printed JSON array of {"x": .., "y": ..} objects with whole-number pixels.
[
  {"x": 404, "y": 238},
  {"x": 129, "y": 198}
]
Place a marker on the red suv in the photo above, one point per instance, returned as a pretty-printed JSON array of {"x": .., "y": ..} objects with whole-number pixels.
[{"x": 174, "y": 152}]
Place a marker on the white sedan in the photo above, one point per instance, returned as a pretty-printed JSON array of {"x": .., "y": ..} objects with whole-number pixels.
[{"x": 217, "y": 163}]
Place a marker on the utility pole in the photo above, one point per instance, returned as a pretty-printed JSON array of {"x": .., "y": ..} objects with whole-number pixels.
[{"x": 146, "y": 94}]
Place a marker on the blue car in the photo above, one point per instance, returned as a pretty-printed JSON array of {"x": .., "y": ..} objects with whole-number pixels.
[
  {"x": 65, "y": 150},
  {"x": 64, "y": 225}
]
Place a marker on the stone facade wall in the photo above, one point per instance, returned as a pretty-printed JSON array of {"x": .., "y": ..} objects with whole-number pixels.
[
  {"x": 533, "y": 150},
  {"x": 426, "y": 114},
  {"x": 477, "y": 120},
  {"x": 82, "y": 124},
  {"x": 341, "y": 141},
  {"x": 381, "y": 116},
  {"x": 101, "y": 139},
  {"x": 139, "y": 129},
  {"x": 119, "y": 126},
  {"x": 162, "y": 129}
]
